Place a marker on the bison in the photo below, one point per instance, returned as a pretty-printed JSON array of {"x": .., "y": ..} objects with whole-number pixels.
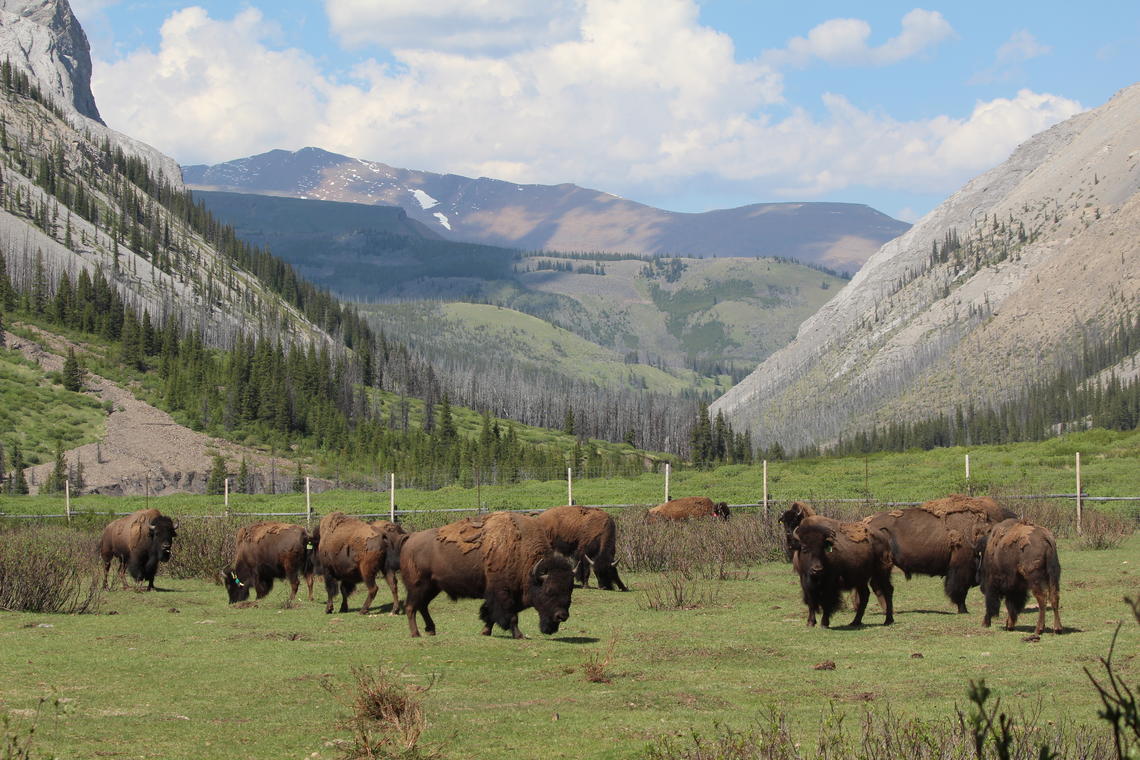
[
  {"x": 350, "y": 551},
  {"x": 939, "y": 537},
  {"x": 688, "y": 508},
  {"x": 1017, "y": 557},
  {"x": 588, "y": 536},
  {"x": 502, "y": 558},
  {"x": 266, "y": 551},
  {"x": 791, "y": 519},
  {"x": 140, "y": 540},
  {"x": 833, "y": 556}
]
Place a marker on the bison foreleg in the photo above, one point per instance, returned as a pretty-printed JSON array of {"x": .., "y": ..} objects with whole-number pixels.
[
  {"x": 330, "y": 589},
  {"x": 370, "y": 583},
  {"x": 346, "y": 589},
  {"x": 390, "y": 577},
  {"x": 885, "y": 593},
  {"x": 860, "y": 595}
]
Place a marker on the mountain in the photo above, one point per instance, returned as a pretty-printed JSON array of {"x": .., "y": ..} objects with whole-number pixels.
[
  {"x": 564, "y": 217},
  {"x": 1010, "y": 280}
]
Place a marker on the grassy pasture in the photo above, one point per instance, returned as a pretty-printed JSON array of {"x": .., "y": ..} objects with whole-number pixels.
[{"x": 180, "y": 674}]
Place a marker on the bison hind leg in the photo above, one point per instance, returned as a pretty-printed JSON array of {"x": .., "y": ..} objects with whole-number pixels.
[{"x": 1014, "y": 604}]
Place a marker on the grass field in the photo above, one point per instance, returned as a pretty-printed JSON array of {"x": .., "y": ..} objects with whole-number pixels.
[{"x": 180, "y": 674}]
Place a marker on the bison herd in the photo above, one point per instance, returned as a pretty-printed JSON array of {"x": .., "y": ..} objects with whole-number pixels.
[{"x": 513, "y": 561}]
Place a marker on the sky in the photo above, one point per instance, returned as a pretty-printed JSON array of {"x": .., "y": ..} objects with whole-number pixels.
[{"x": 685, "y": 105}]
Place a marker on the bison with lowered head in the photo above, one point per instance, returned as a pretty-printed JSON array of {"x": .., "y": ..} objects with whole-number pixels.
[
  {"x": 140, "y": 541},
  {"x": 266, "y": 551},
  {"x": 588, "y": 536},
  {"x": 688, "y": 508},
  {"x": 502, "y": 558},
  {"x": 1017, "y": 557},
  {"x": 939, "y": 538},
  {"x": 350, "y": 551},
  {"x": 833, "y": 556}
]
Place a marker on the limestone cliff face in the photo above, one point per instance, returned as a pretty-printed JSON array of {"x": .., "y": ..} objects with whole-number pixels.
[{"x": 1043, "y": 250}]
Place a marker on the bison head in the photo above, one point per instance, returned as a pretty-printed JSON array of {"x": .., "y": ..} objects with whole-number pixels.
[
  {"x": 162, "y": 532},
  {"x": 814, "y": 543},
  {"x": 551, "y": 583},
  {"x": 791, "y": 520},
  {"x": 236, "y": 588},
  {"x": 720, "y": 509}
]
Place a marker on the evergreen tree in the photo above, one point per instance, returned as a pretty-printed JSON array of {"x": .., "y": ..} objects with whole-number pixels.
[
  {"x": 447, "y": 432},
  {"x": 299, "y": 480},
  {"x": 2, "y": 339},
  {"x": 568, "y": 421},
  {"x": 244, "y": 481},
  {"x": 18, "y": 484},
  {"x": 701, "y": 438},
  {"x": 216, "y": 481},
  {"x": 55, "y": 481},
  {"x": 73, "y": 372}
]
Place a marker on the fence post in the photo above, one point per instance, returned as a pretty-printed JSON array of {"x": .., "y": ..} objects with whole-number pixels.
[
  {"x": 569, "y": 485},
  {"x": 226, "y": 497},
  {"x": 666, "y": 481},
  {"x": 67, "y": 499},
  {"x": 1079, "y": 527},
  {"x": 392, "y": 497},
  {"x": 308, "y": 506},
  {"x": 765, "y": 489}
]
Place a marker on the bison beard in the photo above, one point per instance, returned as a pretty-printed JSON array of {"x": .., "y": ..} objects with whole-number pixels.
[
  {"x": 140, "y": 541},
  {"x": 504, "y": 559},
  {"x": 1015, "y": 558}
]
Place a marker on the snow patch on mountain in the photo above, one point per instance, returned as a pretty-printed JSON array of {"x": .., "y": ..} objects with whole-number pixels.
[
  {"x": 443, "y": 220},
  {"x": 425, "y": 200}
]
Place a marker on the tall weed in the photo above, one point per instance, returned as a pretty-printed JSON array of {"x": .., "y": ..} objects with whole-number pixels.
[{"x": 49, "y": 568}]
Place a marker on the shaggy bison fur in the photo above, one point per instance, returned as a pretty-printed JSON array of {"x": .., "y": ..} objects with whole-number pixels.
[
  {"x": 832, "y": 557},
  {"x": 140, "y": 541},
  {"x": 264, "y": 552},
  {"x": 502, "y": 558},
  {"x": 1015, "y": 558},
  {"x": 588, "y": 537}
]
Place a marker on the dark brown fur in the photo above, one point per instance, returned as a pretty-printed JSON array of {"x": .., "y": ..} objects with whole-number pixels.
[
  {"x": 791, "y": 519},
  {"x": 266, "y": 551},
  {"x": 350, "y": 551},
  {"x": 140, "y": 541},
  {"x": 832, "y": 557},
  {"x": 1016, "y": 558},
  {"x": 939, "y": 538},
  {"x": 688, "y": 508},
  {"x": 502, "y": 558},
  {"x": 588, "y": 537}
]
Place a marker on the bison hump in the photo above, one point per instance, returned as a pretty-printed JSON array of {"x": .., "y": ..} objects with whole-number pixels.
[
  {"x": 466, "y": 534},
  {"x": 855, "y": 531},
  {"x": 1018, "y": 535}
]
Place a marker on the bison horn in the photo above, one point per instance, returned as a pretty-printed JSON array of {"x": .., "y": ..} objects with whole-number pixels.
[
  {"x": 587, "y": 556},
  {"x": 615, "y": 563},
  {"x": 536, "y": 573}
]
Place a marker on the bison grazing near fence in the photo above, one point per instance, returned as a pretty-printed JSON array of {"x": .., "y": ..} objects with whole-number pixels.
[
  {"x": 939, "y": 537},
  {"x": 266, "y": 551},
  {"x": 350, "y": 551},
  {"x": 502, "y": 558},
  {"x": 140, "y": 540},
  {"x": 688, "y": 508},
  {"x": 833, "y": 556},
  {"x": 1017, "y": 557},
  {"x": 791, "y": 519},
  {"x": 588, "y": 536}
]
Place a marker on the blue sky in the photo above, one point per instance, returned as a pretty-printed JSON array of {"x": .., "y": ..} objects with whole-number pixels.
[{"x": 681, "y": 104}]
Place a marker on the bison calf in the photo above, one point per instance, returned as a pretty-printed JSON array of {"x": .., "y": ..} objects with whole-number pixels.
[
  {"x": 832, "y": 557},
  {"x": 266, "y": 551},
  {"x": 1015, "y": 558},
  {"x": 140, "y": 541}
]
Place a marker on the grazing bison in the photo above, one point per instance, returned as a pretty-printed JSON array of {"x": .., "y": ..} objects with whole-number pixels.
[
  {"x": 502, "y": 558},
  {"x": 688, "y": 508},
  {"x": 588, "y": 536},
  {"x": 350, "y": 551},
  {"x": 939, "y": 537},
  {"x": 833, "y": 556},
  {"x": 791, "y": 519},
  {"x": 1017, "y": 557},
  {"x": 266, "y": 551},
  {"x": 140, "y": 540}
]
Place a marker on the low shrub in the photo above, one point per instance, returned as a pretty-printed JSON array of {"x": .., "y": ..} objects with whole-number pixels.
[
  {"x": 710, "y": 548},
  {"x": 49, "y": 568},
  {"x": 203, "y": 546},
  {"x": 386, "y": 717}
]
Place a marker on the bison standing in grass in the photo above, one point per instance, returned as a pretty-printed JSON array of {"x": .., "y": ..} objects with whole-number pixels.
[
  {"x": 140, "y": 541},
  {"x": 502, "y": 558},
  {"x": 833, "y": 556},
  {"x": 688, "y": 508},
  {"x": 588, "y": 536},
  {"x": 939, "y": 538},
  {"x": 1014, "y": 559},
  {"x": 264, "y": 552},
  {"x": 350, "y": 551}
]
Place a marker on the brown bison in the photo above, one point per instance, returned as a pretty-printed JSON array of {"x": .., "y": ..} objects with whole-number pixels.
[
  {"x": 1017, "y": 557},
  {"x": 833, "y": 556},
  {"x": 939, "y": 537},
  {"x": 588, "y": 536},
  {"x": 502, "y": 558},
  {"x": 350, "y": 551},
  {"x": 791, "y": 519},
  {"x": 266, "y": 551},
  {"x": 688, "y": 508},
  {"x": 140, "y": 540}
]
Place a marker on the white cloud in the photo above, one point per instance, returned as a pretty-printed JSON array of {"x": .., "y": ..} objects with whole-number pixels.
[
  {"x": 1021, "y": 46},
  {"x": 843, "y": 41},
  {"x": 639, "y": 101},
  {"x": 470, "y": 26}
]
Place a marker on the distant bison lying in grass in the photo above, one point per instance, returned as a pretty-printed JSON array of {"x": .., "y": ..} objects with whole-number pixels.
[
  {"x": 688, "y": 508},
  {"x": 1015, "y": 558},
  {"x": 831, "y": 557}
]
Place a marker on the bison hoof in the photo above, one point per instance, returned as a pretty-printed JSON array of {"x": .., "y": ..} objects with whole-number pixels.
[
  {"x": 889, "y": 621},
  {"x": 486, "y": 631}
]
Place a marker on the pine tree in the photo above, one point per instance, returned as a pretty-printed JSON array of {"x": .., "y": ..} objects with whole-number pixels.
[
  {"x": 299, "y": 480},
  {"x": 18, "y": 483},
  {"x": 57, "y": 478},
  {"x": 216, "y": 481},
  {"x": 73, "y": 372},
  {"x": 244, "y": 481}
]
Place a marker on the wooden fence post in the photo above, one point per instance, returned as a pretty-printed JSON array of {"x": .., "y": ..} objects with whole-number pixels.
[
  {"x": 1079, "y": 526},
  {"x": 67, "y": 499},
  {"x": 569, "y": 485},
  {"x": 392, "y": 497},
  {"x": 666, "y": 481},
  {"x": 308, "y": 506},
  {"x": 765, "y": 489}
]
